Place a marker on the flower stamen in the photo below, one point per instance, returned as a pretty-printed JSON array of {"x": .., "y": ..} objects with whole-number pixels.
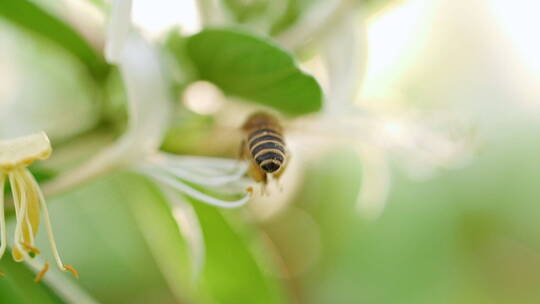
[
  {"x": 42, "y": 273},
  {"x": 204, "y": 180},
  {"x": 28, "y": 199},
  {"x": 30, "y": 248},
  {"x": 72, "y": 270},
  {"x": 48, "y": 226},
  {"x": 189, "y": 191},
  {"x": 19, "y": 199}
]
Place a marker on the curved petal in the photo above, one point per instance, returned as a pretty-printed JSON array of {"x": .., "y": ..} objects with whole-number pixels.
[
  {"x": 188, "y": 224},
  {"x": 118, "y": 29},
  {"x": 149, "y": 105},
  {"x": 191, "y": 192},
  {"x": 148, "y": 95},
  {"x": 194, "y": 170},
  {"x": 23, "y": 151},
  {"x": 345, "y": 60}
]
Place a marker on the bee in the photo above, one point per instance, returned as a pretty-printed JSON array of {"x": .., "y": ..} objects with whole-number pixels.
[{"x": 264, "y": 147}]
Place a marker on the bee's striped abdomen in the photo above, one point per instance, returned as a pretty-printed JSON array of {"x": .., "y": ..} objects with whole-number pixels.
[{"x": 267, "y": 148}]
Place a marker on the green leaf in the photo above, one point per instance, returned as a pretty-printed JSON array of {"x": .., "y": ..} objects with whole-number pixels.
[
  {"x": 233, "y": 273},
  {"x": 99, "y": 230},
  {"x": 165, "y": 242},
  {"x": 18, "y": 286},
  {"x": 33, "y": 18},
  {"x": 254, "y": 69}
]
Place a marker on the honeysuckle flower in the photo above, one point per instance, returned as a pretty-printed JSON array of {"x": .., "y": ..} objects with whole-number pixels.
[
  {"x": 149, "y": 108},
  {"x": 15, "y": 156}
]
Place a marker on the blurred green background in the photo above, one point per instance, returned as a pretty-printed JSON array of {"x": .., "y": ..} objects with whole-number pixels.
[{"x": 468, "y": 233}]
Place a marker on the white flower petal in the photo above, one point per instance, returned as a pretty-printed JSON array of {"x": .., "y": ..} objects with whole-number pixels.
[
  {"x": 192, "y": 168},
  {"x": 189, "y": 191},
  {"x": 118, "y": 29},
  {"x": 22, "y": 151},
  {"x": 149, "y": 105},
  {"x": 150, "y": 102},
  {"x": 189, "y": 226},
  {"x": 345, "y": 60},
  {"x": 36, "y": 94},
  {"x": 191, "y": 161}
]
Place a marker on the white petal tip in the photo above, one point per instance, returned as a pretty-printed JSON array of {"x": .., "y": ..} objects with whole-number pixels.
[{"x": 22, "y": 151}]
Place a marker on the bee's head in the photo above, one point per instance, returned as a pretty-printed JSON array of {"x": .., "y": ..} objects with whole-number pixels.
[{"x": 259, "y": 120}]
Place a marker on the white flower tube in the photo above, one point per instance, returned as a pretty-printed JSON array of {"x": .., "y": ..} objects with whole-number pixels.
[
  {"x": 118, "y": 29},
  {"x": 150, "y": 102},
  {"x": 149, "y": 105},
  {"x": 345, "y": 60}
]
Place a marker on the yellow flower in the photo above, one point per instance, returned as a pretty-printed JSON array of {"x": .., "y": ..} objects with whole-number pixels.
[{"x": 15, "y": 155}]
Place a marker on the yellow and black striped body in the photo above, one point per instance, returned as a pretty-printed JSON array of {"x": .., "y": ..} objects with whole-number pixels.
[{"x": 264, "y": 146}]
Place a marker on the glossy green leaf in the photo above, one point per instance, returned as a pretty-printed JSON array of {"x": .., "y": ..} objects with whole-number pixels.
[
  {"x": 233, "y": 273},
  {"x": 254, "y": 69},
  {"x": 18, "y": 286},
  {"x": 102, "y": 229},
  {"x": 35, "y": 19}
]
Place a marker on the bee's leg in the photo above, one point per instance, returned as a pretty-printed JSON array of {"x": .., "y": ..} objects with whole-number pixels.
[
  {"x": 277, "y": 175},
  {"x": 264, "y": 192},
  {"x": 242, "y": 151},
  {"x": 256, "y": 173},
  {"x": 242, "y": 155}
]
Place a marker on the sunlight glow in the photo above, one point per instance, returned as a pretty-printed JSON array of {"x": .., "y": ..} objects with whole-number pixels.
[
  {"x": 158, "y": 16},
  {"x": 520, "y": 23},
  {"x": 393, "y": 128},
  {"x": 392, "y": 37},
  {"x": 394, "y": 131}
]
